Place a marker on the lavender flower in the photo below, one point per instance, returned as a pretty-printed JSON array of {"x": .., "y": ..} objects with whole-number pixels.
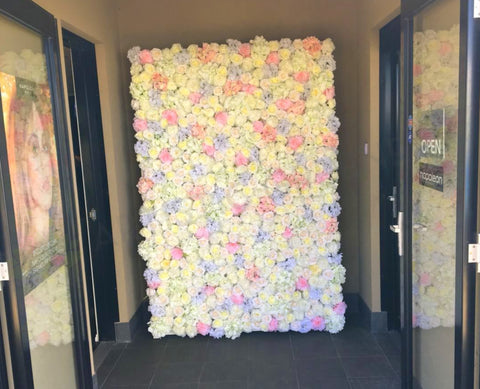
[
  {"x": 150, "y": 275},
  {"x": 335, "y": 259},
  {"x": 301, "y": 159},
  {"x": 156, "y": 310},
  {"x": 154, "y": 127},
  {"x": 197, "y": 171},
  {"x": 227, "y": 305},
  {"x": 218, "y": 195},
  {"x": 305, "y": 326},
  {"x": 247, "y": 304},
  {"x": 332, "y": 210},
  {"x": 221, "y": 142},
  {"x": 278, "y": 196},
  {"x": 262, "y": 236},
  {"x": 155, "y": 99},
  {"x": 333, "y": 123},
  {"x": 183, "y": 133},
  {"x": 212, "y": 225},
  {"x": 244, "y": 178},
  {"x": 308, "y": 215},
  {"x": 172, "y": 206},
  {"x": 327, "y": 62},
  {"x": 285, "y": 43},
  {"x": 254, "y": 153},
  {"x": 206, "y": 88},
  {"x": 208, "y": 266},
  {"x": 181, "y": 58},
  {"x": 288, "y": 264},
  {"x": 216, "y": 333},
  {"x": 157, "y": 177},
  {"x": 198, "y": 299},
  {"x": 284, "y": 126},
  {"x": 315, "y": 294},
  {"x": 133, "y": 54},
  {"x": 141, "y": 148},
  {"x": 267, "y": 97},
  {"x": 233, "y": 44},
  {"x": 234, "y": 72},
  {"x": 146, "y": 219},
  {"x": 239, "y": 260},
  {"x": 326, "y": 164}
]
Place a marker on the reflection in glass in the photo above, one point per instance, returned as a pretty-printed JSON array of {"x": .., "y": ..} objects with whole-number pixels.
[
  {"x": 33, "y": 167},
  {"x": 434, "y": 145}
]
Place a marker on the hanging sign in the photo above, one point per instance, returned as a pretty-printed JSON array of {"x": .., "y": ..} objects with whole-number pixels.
[
  {"x": 431, "y": 176},
  {"x": 432, "y": 134}
]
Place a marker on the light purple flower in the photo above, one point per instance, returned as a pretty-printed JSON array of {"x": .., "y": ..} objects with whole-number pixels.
[
  {"x": 197, "y": 171},
  {"x": 218, "y": 195},
  {"x": 154, "y": 127},
  {"x": 305, "y": 326},
  {"x": 212, "y": 225},
  {"x": 156, "y": 310},
  {"x": 157, "y": 177},
  {"x": 221, "y": 142},
  {"x": 244, "y": 178},
  {"x": 283, "y": 126},
  {"x": 181, "y": 58},
  {"x": 335, "y": 259},
  {"x": 332, "y": 210},
  {"x": 141, "y": 148},
  {"x": 277, "y": 196},
  {"x": 308, "y": 214},
  {"x": 315, "y": 294},
  {"x": 333, "y": 123},
  {"x": 262, "y": 236},
  {"x": 326, "y": 164},
  {"x": 155, "y": 98},
  {"x": 239, "y": 260},
  {"x": 146, "y": 219},
  {"x": 288, "y": 264},
  {"x": 172, "y": 206},
  {"x": 216, "y": 333}
]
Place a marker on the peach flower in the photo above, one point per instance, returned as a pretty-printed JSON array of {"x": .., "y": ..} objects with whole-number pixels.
[
  {"x": 144, "y": 185},
  {"x": 302, "y": 77},
  {"x": 195, "y": 97},
  {"x": 244, "y": 50},
  {"x": 284, "y": 104},
  {"x": 269, "y": 134},
  {"x": 272, "y": 58},
  {"x": 329, "y": 92},
  {"x": 145, "y": 56},
  {"x": 312, "y": 44},
  {"x": 221, "y": 118}
]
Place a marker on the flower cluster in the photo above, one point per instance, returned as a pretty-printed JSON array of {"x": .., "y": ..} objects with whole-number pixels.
[
  {"x": 435, "y": 115},
  {"x": 237, "y": 145}
]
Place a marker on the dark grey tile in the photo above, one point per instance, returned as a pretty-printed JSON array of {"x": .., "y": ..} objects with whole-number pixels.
[
  {"x": 271, "y": 346},
  {"x": 227, "y": 349},
  {"x": 174, "y": 341},
  {"x": 129, "y": 386},
  {"x": 224, "y": 385},
  {"x": 313, "y": 345},
  {"x": 104, "y": 370},
  {"x": 273, "y": 374},
  {"x": 186, "y": 352},
  {"x": 375, "y": 383},
  {"x": 227, "y": 370},
  {"x": 319, "y": 368},
  {"x": 183, "y": 385},
  {"x": 389, "y": 343},
  {"x": 176, "y": 373},
  {"x": 351, "y": 345},
  {"x": 396, "y": 362},
  {"x": 367, "y": 367},
  {"x": 132, "y": 368},
  {"x": 325, "y": 383}
]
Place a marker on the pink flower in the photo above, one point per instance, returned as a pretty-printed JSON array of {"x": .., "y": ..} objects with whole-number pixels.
[
  {"x": 302, "y": 283},
  {"x": 425, "y": 279},
  {"x": 139, "y": 124},
  {"x": 330, "y": 140},
  {"x": 144, "y": 185},
  {"x": 318, "y": 323},
  {"x": 197, "y": 192},
  {"x": 445, "y": 48},
  {"x": 176, "y": 253},
  {"x": 221, "y": 118},
  {"x": 329, "y": 92},
  {"x": 258, "y": 126},
  {"x": 170, "y": 115},
  {"x": 438, "y": 227},
  {"x": 321, "y": 177},
  {"x": 202, "y": 233},
  {"x": 209, "y": 290},
  {"x": 273, "y": 325},
  {"x": 198, "y": 131},
  {"x": 232, "y": 247},
  {"x": 302, "y": 77},
  {"x": 165, "y": 156},
  {"x": 237, "y": 299},
  {"x": 297, "y": 108},
  {"x": 278, "y": 175},
  {"x": 232, "y": 87},
  {"x": 340, "y": 308},
  {"x": 160, "y": 82},
  {"x": 208, "y": 149},
  {"x": 237, "y": 209},
  {"x": 287, "y": 233},
  {"x": 153, "y": 284},
  {"x": 145, "y": 57},
  {"x": 272, "y": 58},
  {"x": 203, "y": 328},
  {"x": 195, "y": 97},
  {"x": 312, "y": 44},
  {"x": 43, "y": 338},
  {"x": 240, "y": 159},
  {"x": 266, "y": 205},
  {"x": 244, "y": 50},
  {"x": 331, "y": 226},
  {"x": 294, "y": 142},
  {"x": 269, "y": 133},
  {"x": 284, "y": 104},
  {"x": 248, "y": 88},
  {"x": 252, "y": 274}
]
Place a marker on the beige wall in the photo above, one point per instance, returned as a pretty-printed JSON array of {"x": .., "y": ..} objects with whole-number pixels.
[
  {"x": 154, "y": 23},
  {"x": 373, "y": 15},
  {"x": 96, "y": 21}
]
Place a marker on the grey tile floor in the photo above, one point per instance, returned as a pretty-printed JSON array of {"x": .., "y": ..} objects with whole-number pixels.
[{"x": 352, "y": 359}]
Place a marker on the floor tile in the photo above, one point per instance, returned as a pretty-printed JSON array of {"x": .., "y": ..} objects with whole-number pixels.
[
  {"x": 185, "y": 352},
  {"x": 273, "y": 374},
  {"x": 271, "y": 346},
  {"x": 318, "y": 368},
  {"x": 227, "y": 349},
  {"x": 367, "y": 367},
  {"x": 312, "y": 345},
  {"x": 396, "y": 362},
  {"x": 351, "y": 346},
  {"x": 107, "y": 365},
  {"x": 132, "y": 368},
  {"x": 227, "y": 370},
  {"x": 224, "y": 385},
  {"x": 184, "y": 385},
  {"x": 375, "y": 383},
  {"x": 325, "y": 383},
  {"x": 176, "y": 373},
  {"x": 388, "y": 342}
]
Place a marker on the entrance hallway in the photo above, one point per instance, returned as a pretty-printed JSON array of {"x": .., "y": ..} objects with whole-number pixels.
[{"x": 352, "y": 359}]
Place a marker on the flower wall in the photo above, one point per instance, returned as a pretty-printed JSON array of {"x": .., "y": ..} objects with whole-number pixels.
[
  {"x": 435, "y": 117},
  {"x": 237, "y": 146}
]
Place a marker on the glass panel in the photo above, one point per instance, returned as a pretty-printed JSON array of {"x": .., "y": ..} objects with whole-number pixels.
[
  {"x": 29, "y": 127},
  {"x": 435, "y": 118}
]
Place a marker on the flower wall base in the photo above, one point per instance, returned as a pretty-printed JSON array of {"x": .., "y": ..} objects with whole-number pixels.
[{"x": 237, "y": 146}]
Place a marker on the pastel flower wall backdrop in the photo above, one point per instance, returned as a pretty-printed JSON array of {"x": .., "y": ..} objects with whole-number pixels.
[{"x": 237, "y": 146}]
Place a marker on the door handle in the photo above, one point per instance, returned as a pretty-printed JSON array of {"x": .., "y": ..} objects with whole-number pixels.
[{"x": 398, "y": 229}]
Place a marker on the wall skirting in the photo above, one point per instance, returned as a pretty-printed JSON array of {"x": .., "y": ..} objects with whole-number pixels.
[
  {"x": 359, "y": 313},
  {"x": 125, "y": 331}
]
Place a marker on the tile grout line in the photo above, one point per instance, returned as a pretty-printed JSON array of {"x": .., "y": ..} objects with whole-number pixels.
[
  {"x": 341, "y": 362},
  {"x": 156, "y": 367},
  {"x": 113, "y": 367},
  {"x": 293, "y": 359},
  {"x": 386, "y": 357}
]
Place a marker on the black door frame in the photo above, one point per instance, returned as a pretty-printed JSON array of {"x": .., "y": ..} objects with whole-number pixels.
[
  {"x": 88, "y": 145},
  {"x": 35, "y": 18},
  {"x": 467, "y": 188},
  {"x": 389, "y": 137}
]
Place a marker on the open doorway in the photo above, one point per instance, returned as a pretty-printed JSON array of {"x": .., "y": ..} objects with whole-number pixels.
[{"x": 92, "y": 186}]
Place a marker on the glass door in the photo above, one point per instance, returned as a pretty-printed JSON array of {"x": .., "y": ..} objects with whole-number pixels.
[
  {"x": 44, "y": 300},
  {"x": 439, "y": 170}
]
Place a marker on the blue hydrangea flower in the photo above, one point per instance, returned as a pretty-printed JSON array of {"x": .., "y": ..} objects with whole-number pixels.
[
  {"x": 332, "y": 210},
  {"x": 335, "y": 259},
  {"x": 216, "y": 333}
]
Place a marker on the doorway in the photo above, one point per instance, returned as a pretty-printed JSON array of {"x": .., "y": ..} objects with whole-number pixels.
[{"x": 92, "y": 186}]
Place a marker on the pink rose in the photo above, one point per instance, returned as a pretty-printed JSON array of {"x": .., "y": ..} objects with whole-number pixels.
[
  {"x": 153, "y": 284},
  {"x": 272, "y": 58},
  {"x": 240, "y": 159},
  {"x": 340, "y": 308},
  {"x": 139, "y": 124},
  {"x": 144, "y": 185},
  {"x": 203, "y": 328},
  {"x": 284, "y": 104},
  {"x": 278, "y": 175},
  {"x": 202, "y": 233},
  {"x": 273, "y": 325},
  {"x": 318, "y": 323},
  {"x": 198, "y": 131},
  {"x": 425, "y": 279},
  {"x": 237, "y": 299},
  {"x": 209, "y": 290},
  {"x": 302, "y": 77},
  {"x": 297, "y": 108},
  {"x": 244, "y": 50},
  {"x": 165, "y": 156},
  {"x": 269, "y": 133},
  {"x": 221, "y": 118},
  {"x": 321, "y": 177},
  {"x": 266, "y": 205},
  {"x": 248, "y": 88},
  {"x": 252, "y": 274},
  {"x": 330, "y": 140},
  {"x": 176, "y": 253},
  {"x": 312, "y": 44},
  {"x": 237, "y": 209},
  {"x": 257, "y": 126},
  {"x": 331, "y": 226},
  {"x": 195, "y": 97},
  {"x": 43, "y": 338},
  {"x": 170, "y": 115},
  {"x": 232, "y": 247},
  {"x": 145, "y": 57},
  {"x": 197, "y": 192},
  {"x": 294, "y": 142},
  {"x": 209, "y": 150},
  {"x": 302, "y": 283},
  {"x": 329, "y": 92},
  {"x": 287, "y": 233}
]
